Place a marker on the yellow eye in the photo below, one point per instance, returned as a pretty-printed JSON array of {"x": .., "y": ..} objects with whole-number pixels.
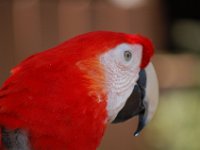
[{"x": 127, "y": 55}]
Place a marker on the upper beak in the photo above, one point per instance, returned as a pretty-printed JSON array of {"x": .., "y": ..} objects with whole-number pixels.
[{"x": 142, "y": 101}]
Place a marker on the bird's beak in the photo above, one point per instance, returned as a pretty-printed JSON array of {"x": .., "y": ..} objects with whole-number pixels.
[{"x": 143, "y": 100}]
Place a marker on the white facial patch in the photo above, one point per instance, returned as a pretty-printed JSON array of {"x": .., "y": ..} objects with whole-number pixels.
[{"x": 122, "y": 66}]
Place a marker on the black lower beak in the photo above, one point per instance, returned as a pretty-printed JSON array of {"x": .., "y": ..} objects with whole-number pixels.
[{"x": 135, "y": 104}]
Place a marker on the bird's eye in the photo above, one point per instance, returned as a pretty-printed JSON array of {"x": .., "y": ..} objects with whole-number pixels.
[{"x": 127, "y": 55}]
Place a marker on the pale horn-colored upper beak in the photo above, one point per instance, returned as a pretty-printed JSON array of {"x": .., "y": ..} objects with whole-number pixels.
[
  {"x": 150, "y": 101},
  {"x": 152, "y": 92}
]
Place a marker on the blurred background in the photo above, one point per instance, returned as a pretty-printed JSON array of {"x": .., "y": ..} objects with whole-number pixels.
[{"x": 30, "y": 26}]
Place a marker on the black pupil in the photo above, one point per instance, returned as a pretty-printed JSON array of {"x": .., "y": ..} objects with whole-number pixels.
[{"x": 127, "y": 55}]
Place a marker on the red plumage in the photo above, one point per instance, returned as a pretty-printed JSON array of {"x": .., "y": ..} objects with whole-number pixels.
[{"x": 50, "y": 93}]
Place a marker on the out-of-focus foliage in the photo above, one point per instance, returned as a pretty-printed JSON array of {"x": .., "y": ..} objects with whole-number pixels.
[{"x": 177, "y": 123}]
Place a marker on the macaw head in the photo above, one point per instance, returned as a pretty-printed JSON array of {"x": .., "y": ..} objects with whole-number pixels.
[{"x": 117, "y": 66}]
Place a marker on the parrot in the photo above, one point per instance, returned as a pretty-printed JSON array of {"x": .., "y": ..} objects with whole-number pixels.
[{"x": 63, "y": 98}]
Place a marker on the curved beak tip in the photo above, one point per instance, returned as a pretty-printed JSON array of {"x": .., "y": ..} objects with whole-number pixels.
[{"x": 136, "y": 133}]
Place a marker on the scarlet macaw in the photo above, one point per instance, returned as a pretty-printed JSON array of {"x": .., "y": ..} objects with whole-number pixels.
[{"x": 63, "y": 98}]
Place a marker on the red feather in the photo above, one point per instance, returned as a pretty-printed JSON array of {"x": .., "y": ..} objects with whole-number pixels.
[{"x": 52, "y": 94}]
